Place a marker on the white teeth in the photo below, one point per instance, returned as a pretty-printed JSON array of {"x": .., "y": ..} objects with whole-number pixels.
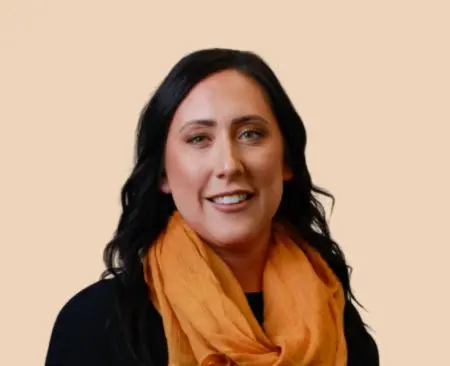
[{"x": 229, "y": 200}]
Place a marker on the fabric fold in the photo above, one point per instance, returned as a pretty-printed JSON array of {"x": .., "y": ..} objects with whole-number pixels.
[{"x": 207, "y": 318}]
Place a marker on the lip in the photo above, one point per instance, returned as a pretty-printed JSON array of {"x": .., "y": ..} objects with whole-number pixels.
[
  {"x": 230, "y": 193},
  {"x": 232, "y": 208},
  {"x": 235, "y": 207}
]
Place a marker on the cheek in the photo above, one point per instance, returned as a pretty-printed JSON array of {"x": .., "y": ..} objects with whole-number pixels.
[
  {"x": 268, "y": 173},
  {"x": 184, "y": 176},
  {"x": 268, "y": 168}
]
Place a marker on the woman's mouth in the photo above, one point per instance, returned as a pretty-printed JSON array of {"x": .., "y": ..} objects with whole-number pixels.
[
  {"x": 231, "y": 199},
  {"x": 232, "y": 202}
]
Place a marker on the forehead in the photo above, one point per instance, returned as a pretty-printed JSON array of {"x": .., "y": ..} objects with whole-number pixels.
[{"x": 224, "y": 95}]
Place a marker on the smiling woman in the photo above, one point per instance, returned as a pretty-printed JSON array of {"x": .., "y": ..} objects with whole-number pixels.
[
  {"x": 222, "y": 254},
  {"x": 225, "y": 169}
]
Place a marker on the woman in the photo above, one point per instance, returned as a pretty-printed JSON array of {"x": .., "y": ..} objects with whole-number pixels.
[{"x": 222, "y": 254}]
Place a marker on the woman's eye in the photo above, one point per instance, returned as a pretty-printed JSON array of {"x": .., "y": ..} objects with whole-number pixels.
[
  {"x": 196, "y": 139},
  {"x": 251, "y": 135}
]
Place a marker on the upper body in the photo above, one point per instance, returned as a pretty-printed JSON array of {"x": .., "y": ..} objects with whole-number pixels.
[
  {"x": 87, "y": 332},
  {"x": 223, "y": 248}
]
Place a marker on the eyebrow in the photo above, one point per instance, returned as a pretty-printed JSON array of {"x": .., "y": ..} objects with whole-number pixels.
[{"x": 238, "y": 120}]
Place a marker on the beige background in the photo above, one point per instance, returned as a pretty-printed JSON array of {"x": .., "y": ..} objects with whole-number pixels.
[{"x": 371, "y": 82}]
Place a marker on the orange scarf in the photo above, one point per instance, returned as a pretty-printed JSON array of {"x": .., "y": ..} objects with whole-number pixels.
[{"x": 208, "y": 321}]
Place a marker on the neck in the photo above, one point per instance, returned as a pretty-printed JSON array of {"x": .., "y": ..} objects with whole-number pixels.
[{"x": 247, "y": 263}]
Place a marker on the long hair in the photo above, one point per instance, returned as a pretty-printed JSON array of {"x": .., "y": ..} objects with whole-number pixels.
[{"x": 146, "y": 210}]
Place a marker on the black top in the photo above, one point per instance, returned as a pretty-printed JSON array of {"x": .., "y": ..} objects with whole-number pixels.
[{"x": 86, "y": 332}]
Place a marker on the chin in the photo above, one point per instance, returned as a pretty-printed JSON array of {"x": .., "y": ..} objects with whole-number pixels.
[
  {"x": 231, "y": 232},
  {"x": 234, "y": 237}
]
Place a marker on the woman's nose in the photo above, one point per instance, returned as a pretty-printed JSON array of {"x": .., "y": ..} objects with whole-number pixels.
[{"x": 229, "y": 162}]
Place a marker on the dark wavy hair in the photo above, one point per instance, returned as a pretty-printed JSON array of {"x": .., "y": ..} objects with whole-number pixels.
[{"x": 146, "y": 210}]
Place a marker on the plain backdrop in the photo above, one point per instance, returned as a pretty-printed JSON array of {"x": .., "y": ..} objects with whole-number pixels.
[{"x": 370, "y": 80}]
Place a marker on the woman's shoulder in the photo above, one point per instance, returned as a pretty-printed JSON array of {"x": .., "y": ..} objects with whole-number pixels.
[
  {"x": 96, "y": 296},
  {"x": 86, "y": 328},
  {"x": 89, "y": 307}
]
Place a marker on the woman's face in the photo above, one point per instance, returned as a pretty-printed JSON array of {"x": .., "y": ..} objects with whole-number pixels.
[{"x": 224, "y": 161}]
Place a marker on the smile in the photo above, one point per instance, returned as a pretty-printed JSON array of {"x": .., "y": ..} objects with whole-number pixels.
[{"x": 231, "y": 199}]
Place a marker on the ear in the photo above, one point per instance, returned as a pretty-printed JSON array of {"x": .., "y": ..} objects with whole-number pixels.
[
  {"x": 287, "y": 173},
  {"x": 164, "y": 185}
]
